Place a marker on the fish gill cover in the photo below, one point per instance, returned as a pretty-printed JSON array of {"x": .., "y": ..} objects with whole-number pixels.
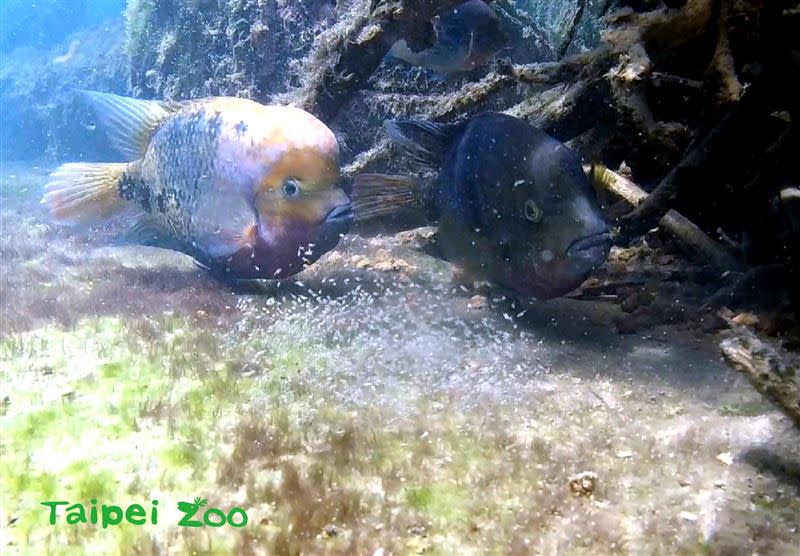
[{"x": 384, "y": 400}]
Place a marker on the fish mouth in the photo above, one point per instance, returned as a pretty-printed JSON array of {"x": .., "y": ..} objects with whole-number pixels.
[
  {"x": 595, "y": 245},
  {"x": 343, "y": 214}
]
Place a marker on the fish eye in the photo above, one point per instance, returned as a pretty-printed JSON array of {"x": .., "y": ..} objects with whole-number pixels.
[
  {"x": 532, "y": 211},
  {"x": 291, "y": 188}
]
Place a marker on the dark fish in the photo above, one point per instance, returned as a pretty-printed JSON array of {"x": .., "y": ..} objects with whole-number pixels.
[
  {"x": 467, "y": 36},
  {"x": 512, "y": 203},
  {"x": 246, "y": 189}
]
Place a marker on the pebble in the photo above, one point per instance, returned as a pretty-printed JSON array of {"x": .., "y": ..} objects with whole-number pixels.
[
  {"x": 478, "y": 303},
  {"x": 583, "y": 484}
]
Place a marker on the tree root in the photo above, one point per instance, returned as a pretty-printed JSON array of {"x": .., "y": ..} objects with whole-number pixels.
[{"x": 344, "y": 58}]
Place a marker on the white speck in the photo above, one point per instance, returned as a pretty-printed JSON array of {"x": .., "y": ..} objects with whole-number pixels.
[
  {"x": 726, "y": 458},
  {"x": 277, "y": 272},
  {"x": 547, "y": 255}
]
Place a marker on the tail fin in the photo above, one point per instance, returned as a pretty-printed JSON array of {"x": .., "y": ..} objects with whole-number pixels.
[
  {"x": 425, "y": 142},
  {"x": 84, "y": 193},
  {"x": 129, "y": 122},
  {"x": 379, "y": 194}
]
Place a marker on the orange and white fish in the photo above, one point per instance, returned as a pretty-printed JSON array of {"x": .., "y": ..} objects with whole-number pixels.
[{"x": 248, "y": 190}]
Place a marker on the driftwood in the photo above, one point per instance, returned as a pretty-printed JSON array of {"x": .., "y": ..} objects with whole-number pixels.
[
  {"x": 473, "y": 94},
  {"x": 776, "y": 379},
  {"x": 700, "y": 244},
  {"x": 691, "y": 237}
]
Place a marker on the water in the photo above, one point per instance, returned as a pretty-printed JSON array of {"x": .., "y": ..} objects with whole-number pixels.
[{"x": 369, "y": 405}]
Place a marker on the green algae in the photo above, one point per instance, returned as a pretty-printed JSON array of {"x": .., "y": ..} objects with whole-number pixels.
[{"x": 163, "y": 409}]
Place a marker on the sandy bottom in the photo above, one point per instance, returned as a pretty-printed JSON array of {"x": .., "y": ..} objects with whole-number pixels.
[{"x": 366, "y": 407}]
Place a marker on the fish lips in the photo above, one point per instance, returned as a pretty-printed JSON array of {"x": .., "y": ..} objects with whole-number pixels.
[
  {"x": 336, "y": 224},
  {"x": 340, "y": 215},
  {"x": 562, "y": 276},
  {"x": 592, "y": 248},
  {"x": 298, "y": 248}
]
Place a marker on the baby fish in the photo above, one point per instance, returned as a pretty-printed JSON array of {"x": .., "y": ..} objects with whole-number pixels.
[
  {"x": 248, "y": 190},
  {"x": 512, "y": 203},
  {"x": 467, "y": 36}
]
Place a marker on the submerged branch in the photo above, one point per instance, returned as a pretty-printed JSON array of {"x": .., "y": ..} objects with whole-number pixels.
[
  {"x": 774, "y": 378},
  {"x": 688, "y": 234}
]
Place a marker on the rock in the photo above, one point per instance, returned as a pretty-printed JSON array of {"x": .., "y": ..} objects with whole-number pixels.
[{"x": 331, "y": 531}]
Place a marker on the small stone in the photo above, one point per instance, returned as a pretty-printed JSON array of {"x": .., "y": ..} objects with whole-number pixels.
[
  {"x": 625, "y": 454},
  {"x": 688, "y": 516},
  {"x": 726, "y": 458},
  {"x": 583, "y": 484},
  {"x": 666, "y": 259},
  {"x": 331, "y": 531},
  {"x": 478, "y": 303},
  {"x": 591, "y": 283},
  {"x": 418, "y": 238},
  {"x": 631, "y": 303},
  {"x": 335, "y": 257},
  {"x": 625, "y": 255},
  {"x": 400, "y": 264},
  {"x": 747, "y": 320},
  {"x": 383, "y": 266},
  {"x": 360, "y": 262}
]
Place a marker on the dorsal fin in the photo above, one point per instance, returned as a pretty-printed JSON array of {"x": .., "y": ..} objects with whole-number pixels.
[{"x": 129, "y": 122}]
